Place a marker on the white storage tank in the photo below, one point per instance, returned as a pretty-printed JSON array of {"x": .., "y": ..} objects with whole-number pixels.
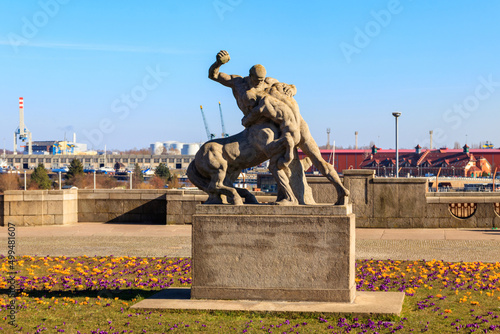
[
  {"x": 167, "y": 144},
  {"x": 157, "y": 148},
  {"x": 176, "y": 146},
  {"x": 190, "y": 149}
]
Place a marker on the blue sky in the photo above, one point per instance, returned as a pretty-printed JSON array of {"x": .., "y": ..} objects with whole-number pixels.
[{"x": 128, "y": 73}]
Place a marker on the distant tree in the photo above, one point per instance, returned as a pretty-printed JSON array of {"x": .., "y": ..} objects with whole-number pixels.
[
  {"x": 174, "y": 151},
  {"x": 163, "y": 171},
  {"x": 40, "y": 178},
  {"x": 82, "y": 181},
  {"x": 157, "y": 182},
  {"x": 135, "y": 150},
  {"x": 106, "y": 181},
  {"x": 137, "y": 174},
  {"x": 75, "y": 169},
  {"x": 456, "y": 145},
  {"x": 9, "y": 181},
  {"x": 174, "y": 183}
]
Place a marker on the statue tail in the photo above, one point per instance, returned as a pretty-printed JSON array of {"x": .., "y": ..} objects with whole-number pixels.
[{"x": 196, "y": 178}]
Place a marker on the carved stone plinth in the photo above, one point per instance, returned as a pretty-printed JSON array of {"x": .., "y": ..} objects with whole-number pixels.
[{"x": 266, "y": 252}]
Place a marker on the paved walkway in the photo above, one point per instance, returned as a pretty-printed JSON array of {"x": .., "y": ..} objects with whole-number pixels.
[{"x": 175, "y": 240}]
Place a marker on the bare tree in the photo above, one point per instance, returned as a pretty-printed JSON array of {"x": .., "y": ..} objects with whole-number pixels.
[
  {"x": 9, "y": 181},
  {"x": 135, "y": 150}
]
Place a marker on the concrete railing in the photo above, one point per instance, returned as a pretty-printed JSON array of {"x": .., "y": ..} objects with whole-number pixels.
[
  {"x": 54, "y": 207},
  {"x": 405, "y": 203},
  {"x": 118, "y": 206},
  {"x": 138, "y": 206},
  {"x": 377, "y": 202},
  {"x": 40, "y": 207}
]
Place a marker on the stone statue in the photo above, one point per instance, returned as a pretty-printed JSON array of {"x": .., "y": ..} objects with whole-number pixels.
[
  {"x": 280, "y": 108},
  {"x": 274, "y": 129}
]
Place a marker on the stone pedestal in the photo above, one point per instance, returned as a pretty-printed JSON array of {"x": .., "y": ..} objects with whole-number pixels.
[{"x": 267, "y": 252}]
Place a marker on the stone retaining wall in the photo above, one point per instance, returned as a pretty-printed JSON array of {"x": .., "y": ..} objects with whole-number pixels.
[
  {"x": 377, "y": 202},
  {"x": 405, "y": 203},
  {"x": 122, "y": 206},
  {"x": 145, "y": 206},
  {"x": 181, "y": 205},
  {"x": 40, "y": 207}
]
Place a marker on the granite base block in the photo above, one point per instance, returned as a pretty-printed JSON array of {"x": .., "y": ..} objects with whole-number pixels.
[
  {"x": 263, "y": 252},
  {"x": 366, "y": 302}
]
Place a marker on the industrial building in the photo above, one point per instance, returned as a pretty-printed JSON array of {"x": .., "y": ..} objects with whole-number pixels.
[
  {"x": 44, "y": 147},
  {"x": 96, "y": 161},
  {"x": 54, "y": 147},
  {"x": 22, "y": 133}
]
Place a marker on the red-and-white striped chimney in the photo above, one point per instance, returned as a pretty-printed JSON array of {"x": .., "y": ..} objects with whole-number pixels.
[{"x": 21, "y": 116}]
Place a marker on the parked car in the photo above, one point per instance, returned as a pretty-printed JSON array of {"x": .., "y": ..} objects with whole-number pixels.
[
  {"x": 62, "y": 170},
  {"x": 106, "y": 170}
]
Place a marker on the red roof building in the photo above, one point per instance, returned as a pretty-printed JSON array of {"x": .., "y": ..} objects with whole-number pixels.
[
  {"x": 355, "y": 159},
  {"x": 428, "y": 162}
]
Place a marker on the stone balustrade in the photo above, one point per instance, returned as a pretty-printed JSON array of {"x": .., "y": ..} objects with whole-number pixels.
[
  {"x": 40, "y": 207},
  {"x": 377, "y": 202}
]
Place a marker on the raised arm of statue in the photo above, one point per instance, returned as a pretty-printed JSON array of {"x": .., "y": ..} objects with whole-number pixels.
[{"x": 220, "y": 77}]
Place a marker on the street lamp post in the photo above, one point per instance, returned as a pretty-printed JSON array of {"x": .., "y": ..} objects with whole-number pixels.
[{"x": 396, "y": 116}]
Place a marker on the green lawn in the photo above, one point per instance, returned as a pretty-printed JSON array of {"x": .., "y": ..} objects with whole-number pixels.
[{"x": 94, "y": 295}]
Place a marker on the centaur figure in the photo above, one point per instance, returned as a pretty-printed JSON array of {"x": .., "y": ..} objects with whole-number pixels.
[{"x": 273, "y": 130}]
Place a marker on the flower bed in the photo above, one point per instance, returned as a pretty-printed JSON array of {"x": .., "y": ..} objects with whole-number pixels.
[{"x": 93, "y": 295}]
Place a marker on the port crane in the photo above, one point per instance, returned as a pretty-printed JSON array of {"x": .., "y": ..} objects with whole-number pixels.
[
  {"x": 224, "y": 133},
  {"x": 210, "y": 135}
]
